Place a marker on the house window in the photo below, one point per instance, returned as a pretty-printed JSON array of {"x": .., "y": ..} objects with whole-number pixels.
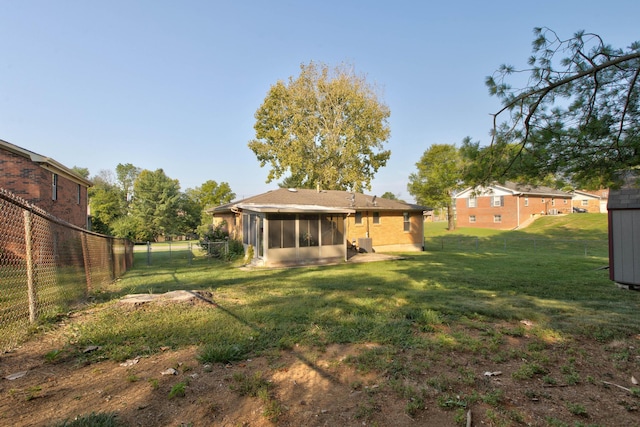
[
  {"x": 471, "y": 202},
  {"x": 245, "y": 228},
  {"x": 553, "y": 201},
  {"x": 542, "y": 200},
  {"x": 526, "y": 201},
  {"x": 497, "y": 201},
  {"x": 497, "y": 218},
  {"x": 358, "y": 219},
  {"x": 406, "y": 222},
  {"x": 332, "y": 229},
  {"x": 564, "y": 201},
  {"x": 282, "y": 231},
  {"x": 78, "y": 193},
  {"x": 584, "y": 202},
  {"x": 376, "y": 217},
  {"x": 308, "y": 230},
  {"x": 472, "y": 218},
  {"x": 54, "y": 187}
]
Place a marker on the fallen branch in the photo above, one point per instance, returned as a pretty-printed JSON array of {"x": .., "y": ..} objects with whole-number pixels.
[{"x": 619, "y": 386}]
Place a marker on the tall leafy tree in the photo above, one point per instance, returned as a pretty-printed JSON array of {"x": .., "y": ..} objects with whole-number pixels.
[
  {"x": 126, "y": 175},
  {"x": 83, "y": 172},
  {"x": 211, "y": 194},
  {"x": 326, "y": 127},
  {"x": 105, "y": 202},
  {"x": 440, "y": 174},
  {"x": 155, "y": 207},
  {"x": 578, "y": 115}
]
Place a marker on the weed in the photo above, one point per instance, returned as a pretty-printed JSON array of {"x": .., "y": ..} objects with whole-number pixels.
[
  {"x": 449, "y": 401},
  {"x": 52, "y": 356},
  {"x": 178, "y": 390},
  {"x": 547, "y": 379},
  {"x": 132, "y": 378},
  {"x": 92, "y": 420},
  {"x": 272, "y": 409},
  {"x": 154, "y": 383},
  {"x": 577, "y": 409},
  {"x": 528, "y": 371},
  {"x": 365, "y": 411},
  {"x": 220, "y": 352},
  {"x": 494, "y": 397},
  {"x": 252, "y": 385}
]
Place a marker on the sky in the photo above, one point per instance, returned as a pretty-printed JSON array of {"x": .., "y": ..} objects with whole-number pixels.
[{"x": 175, "y": 84}]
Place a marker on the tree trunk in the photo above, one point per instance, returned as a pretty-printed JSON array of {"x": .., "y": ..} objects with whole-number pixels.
[{"x": 451, "y": 224}]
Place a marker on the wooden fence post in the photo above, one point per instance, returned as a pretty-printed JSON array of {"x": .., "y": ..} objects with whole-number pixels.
[{"x": 31, "y": 287}]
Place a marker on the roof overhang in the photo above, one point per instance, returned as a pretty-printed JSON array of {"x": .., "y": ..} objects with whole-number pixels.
[{"x": 292, "y": 208}]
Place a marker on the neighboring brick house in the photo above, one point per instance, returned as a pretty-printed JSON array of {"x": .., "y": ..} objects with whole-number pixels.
[
  {"x": 45, "y": 183},
  {"x": 509, "y": 205},
  {"x": 592, "y": 201},
  {"x": 297, "y": 226}
]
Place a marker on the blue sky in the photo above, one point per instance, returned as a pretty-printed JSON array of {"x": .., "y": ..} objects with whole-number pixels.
[{"x": 175, "y": 84}]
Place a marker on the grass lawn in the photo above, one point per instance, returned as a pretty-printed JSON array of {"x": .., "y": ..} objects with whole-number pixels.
[
  {"x": 426, "y": 322},
  {"x": 563, "y": 294}
]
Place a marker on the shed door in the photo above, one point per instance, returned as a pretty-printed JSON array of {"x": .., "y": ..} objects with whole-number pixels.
[{"x": 625, "y": 245}]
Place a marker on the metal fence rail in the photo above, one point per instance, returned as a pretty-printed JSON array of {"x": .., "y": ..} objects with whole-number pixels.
[
  {"x": 47, "y": 266},
  {"x": 529, "y": 245}
]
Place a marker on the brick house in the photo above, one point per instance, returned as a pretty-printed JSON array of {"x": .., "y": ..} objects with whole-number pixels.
[
  {"x": 45, "y": 183},
  {"x": 509, "y": 205},
  {"x": 297, "y": 226},
  {"x": 592, "y": 201}
]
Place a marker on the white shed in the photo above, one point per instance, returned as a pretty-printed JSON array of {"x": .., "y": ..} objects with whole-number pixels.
[{"x": 624, "y": 237}]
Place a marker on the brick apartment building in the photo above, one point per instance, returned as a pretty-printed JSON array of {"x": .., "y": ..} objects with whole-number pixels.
[
  {"x": 45, "y": 183},
  {"x": 509, "y": 205}
]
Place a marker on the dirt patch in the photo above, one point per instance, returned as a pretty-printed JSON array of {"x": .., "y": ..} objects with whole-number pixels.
[{"x": 578, "y": 383}]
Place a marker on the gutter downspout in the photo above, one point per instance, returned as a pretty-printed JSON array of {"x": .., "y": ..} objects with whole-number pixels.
[{"x": 346, "y": 236}]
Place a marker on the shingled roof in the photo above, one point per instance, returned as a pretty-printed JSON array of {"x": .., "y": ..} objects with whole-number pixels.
[
  {"x": 305, "y": 200},
  {"x": 626, "y": 198}
]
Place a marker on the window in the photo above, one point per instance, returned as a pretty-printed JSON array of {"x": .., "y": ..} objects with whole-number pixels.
[
  {"x": 406, "y": 222},
  {"x": 332, "y": 229},
  {"x": 472, "y": 218},
  {"x": 471, "y": 202},
  {"x": 54, "y": 187},
  {"x": 282, "y": 231},
  {"x": 584, "y": 202},
  {"x": 553, "y": 201},
  {"x": 358, "y": 219},
  {"x": 376, "y": 217},
  {"x": 308, "y": 230},
  {"x": 497, "y": 218},
  {"x": 79, "y": 193},
  {"x": 542, "y": 200},
  {"x": 526, "y": 201},
  {"x": 497, "y": 201},
  {"x": 564, "y": 201}
]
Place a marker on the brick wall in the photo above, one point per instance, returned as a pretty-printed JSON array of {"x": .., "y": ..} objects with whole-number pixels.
[
  {"x": 34, "y": 183},
  {"x": 389, "y": 231},
  {"x": 514, "y": 212}
]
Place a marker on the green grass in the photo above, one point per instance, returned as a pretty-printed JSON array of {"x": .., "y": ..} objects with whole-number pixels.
[{"x": 386, "y": 302}]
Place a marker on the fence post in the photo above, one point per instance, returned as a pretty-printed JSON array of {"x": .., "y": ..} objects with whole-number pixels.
[
  {"x": 87, "y": 260},
  {"x": 148, "y": 253},
  {"x": 31, "y": 288}
]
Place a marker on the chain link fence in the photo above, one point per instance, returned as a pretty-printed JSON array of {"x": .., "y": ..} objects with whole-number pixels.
[
  {"x": 599, "y": 248},
  {"x": 183, "y": 250},
  {"x": 48, "y": 266}
]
